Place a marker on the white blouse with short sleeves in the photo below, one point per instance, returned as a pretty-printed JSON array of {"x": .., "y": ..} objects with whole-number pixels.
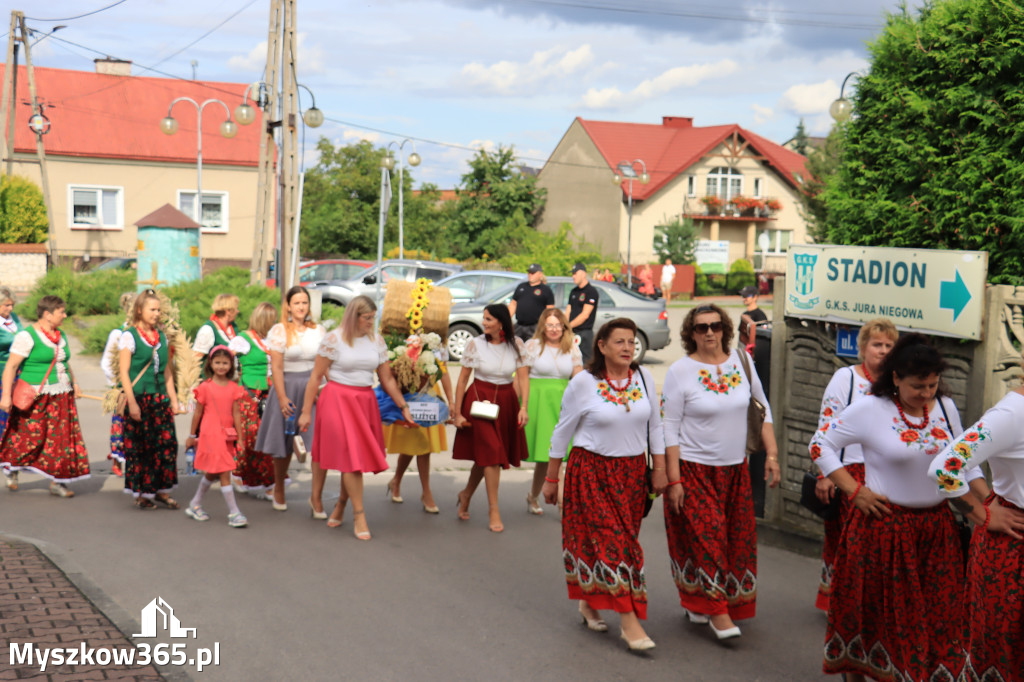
[
  {"x": 300, "y": 356},
  {"x": 353, "y": 365},
  {"x": 838, "y": 397},
  {"x": 22, "y": 345},
  {"x": 493, "y": 362},
  {"x": 546, "y": 362},
  {"x": 594, "y": 417}
]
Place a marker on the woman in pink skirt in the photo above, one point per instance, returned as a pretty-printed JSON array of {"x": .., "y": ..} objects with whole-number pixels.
[{"x": 347, "y": 436}]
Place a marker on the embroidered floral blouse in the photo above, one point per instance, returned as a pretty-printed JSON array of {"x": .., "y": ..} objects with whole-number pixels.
[
  {"x": 894, "y": 454},
  {"x": 594, "y": 417},
  {"x": 837, "y": 398},
  {"x": 704, "y": 408},
  {"x": 996, "y": 438}
]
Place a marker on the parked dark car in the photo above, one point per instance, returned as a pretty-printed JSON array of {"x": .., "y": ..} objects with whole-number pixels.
[
  {"x": 651, "y": 318},
  {"x": 341, "y": 291}
]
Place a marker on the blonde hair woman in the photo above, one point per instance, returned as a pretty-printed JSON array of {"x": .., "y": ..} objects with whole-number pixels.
[
  {"x": 292, "y": 344},
  {"x": 553, "y": 358},
  {"x": 220, "y": 329},
  {"x": 255, "y": 470},
  {"x": 347, "y": 435}
]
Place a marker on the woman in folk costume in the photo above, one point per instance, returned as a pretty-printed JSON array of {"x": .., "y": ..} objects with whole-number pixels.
[{"x": 220, "y": 329}]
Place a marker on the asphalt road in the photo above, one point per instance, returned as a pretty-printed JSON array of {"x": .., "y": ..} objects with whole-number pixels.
[{"x": 429, "y": 598}]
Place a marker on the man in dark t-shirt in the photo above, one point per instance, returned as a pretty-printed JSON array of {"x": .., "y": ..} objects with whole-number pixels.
[
  {"x": 529, "y": 301},
  {"x": 759, "y": 346},
  {"x": 582, "y": 310}
]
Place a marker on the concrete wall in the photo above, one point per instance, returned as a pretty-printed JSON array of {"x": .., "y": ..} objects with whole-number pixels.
[
  {"x": 21, "y": 265},
  {"x": 146, "y": 187}
]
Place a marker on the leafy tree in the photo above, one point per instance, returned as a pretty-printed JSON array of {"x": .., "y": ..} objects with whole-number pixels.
[
  {"x": 821, "y": 165},
  {"x": 801, "y": 143},
  {"x": 22, "y": 211},
  {"x": 496, "y": 207},
  {"x": 933, "y": 156},
  {"x": 741, "y": 274},
  {"x": 676, "y": 240},
  {"x": 556, "y": 252}
]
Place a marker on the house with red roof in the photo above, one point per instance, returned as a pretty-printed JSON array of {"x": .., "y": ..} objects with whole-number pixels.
[
  {"x": 109, "y": 164},
  {"x": 686, "y": 163}
]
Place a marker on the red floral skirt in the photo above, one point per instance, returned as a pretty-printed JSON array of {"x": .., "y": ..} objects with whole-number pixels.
[
  {"x": 46, "y": 440},
  {"x": 833, "y": 536},
  {"x": 713, "y": 543},
  {"x": 151, "y": 447},
  {"x": 255, "y": 468},
  {"x": 897, "y": 611},
  {"x": 501, "y": 442},
  {"x": 603, "y": 505},
  {"x": 995, "y": 605}
]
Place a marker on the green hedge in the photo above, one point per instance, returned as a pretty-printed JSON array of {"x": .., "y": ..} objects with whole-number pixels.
[{"x": 93, "y": 293}]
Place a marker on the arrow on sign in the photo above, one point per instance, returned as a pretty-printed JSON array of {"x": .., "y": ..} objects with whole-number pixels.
[{"x": 954, "y": 295}]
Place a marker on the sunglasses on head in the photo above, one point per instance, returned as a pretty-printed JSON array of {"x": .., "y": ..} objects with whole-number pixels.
[{"x": 703, "y": 327}]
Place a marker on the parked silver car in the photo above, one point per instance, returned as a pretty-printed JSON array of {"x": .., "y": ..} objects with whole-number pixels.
[
  {"x": 340, "y": 292},
  {"x": 651, "y": 318},
  {"x": 470, "y": 285}
]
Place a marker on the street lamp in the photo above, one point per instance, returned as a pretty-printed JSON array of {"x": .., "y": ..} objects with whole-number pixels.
[
  {"x": 842, "y": 108},
  {"x": 228, "y": 129},
  {"x": 245, "y": 113},
  {"x": 627, "y": 171},
  {"x": 389, "y": 163}
]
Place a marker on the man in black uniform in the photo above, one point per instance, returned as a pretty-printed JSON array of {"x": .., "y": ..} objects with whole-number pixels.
[
  {"x": 759, "y": 346},
  {"x": 582, "y": 310},
  {"x": 529, "y": 301}
]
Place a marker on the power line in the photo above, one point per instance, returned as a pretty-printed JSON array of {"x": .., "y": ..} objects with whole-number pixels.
[
  {"x": 230, "y": 17},
  {"x": 80, "y": 16}
]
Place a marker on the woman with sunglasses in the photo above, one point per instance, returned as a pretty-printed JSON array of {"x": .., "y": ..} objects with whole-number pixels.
[
  {"x": 553, "y": 358},
  {"x": 712, "y": 539}
]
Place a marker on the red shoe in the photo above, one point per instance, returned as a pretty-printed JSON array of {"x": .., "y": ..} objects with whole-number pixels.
[{"x": 115, "y": 469}]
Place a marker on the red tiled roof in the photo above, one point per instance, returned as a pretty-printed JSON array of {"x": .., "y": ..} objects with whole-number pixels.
[
  {"x": 168, "y": 216},
  {"x": 118, "y": 117},
  {"x": 675, "y": 145}
]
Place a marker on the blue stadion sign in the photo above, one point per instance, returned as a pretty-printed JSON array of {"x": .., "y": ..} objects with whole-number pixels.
[{"x": 928, "y": 290}]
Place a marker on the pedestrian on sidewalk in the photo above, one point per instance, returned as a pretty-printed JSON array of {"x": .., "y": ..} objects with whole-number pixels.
[
  {"x": 668, "y": 276},
  {"x": 254, "y": 470},
  {"x": 46, "y": 438},
  {"x": 219, "y": 435},
  {"x": 147, "y": 379}
]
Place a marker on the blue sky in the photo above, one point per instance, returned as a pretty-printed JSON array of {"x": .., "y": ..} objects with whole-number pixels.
[{"x": 472, "y": 73}]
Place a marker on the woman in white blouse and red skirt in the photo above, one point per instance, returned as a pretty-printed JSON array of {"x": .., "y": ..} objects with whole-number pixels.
[
  {"x": 496, "y": 358},
  {"x": 610, "y": 413},
  {"x": 896, "y": 611},
  {"x": 347, "y": 436},
  {"x": 712, "y": 539},
  {"x": 995, "y": 568}
]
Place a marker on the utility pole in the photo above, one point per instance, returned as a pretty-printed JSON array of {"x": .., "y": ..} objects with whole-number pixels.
[
  {"x": 280, "y": 105},
  {"x": 8, "y": 111}
]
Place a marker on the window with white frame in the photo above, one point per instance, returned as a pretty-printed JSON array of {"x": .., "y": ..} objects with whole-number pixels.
[
  {"x": 99, "y": 208},
  {"x": 691, "y": 186},
  {"x": 757, "y": 188},
  {"x": 214, "y": 217},
  {"x": 724, "y": 182},
  {"x": 778, "y": 240}
]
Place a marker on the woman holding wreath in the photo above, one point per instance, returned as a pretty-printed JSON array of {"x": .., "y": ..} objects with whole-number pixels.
[
  {"x": 46, "y": 439},
  {"x": 897, "y": 603},
  {"x": 496, "y": 357},
  {"x": 610, "y": 413},
  {"x": 146, "y": 370},
  {"x": 712, "y": 539}
]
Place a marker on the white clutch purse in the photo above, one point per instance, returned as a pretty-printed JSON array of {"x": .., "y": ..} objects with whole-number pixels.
[{"x": 484, "y": 409}]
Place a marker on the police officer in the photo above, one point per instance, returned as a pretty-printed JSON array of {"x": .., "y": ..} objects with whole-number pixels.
[
  {"x": 582, "y": 310},
  {"x": 529, "y": 300}
]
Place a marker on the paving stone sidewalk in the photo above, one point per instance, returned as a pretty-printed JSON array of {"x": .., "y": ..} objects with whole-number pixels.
[{"x": 40, "y": 605}]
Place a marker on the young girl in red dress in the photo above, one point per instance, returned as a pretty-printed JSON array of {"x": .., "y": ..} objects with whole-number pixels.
[{"x": 218, "y": 433}]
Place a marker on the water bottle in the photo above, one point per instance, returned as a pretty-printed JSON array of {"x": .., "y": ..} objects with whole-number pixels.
[
  {"x": 291, "y": 425},
  {"x": 190, "y": 461}
]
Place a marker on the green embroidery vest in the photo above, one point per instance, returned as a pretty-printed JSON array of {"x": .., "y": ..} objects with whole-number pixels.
[
  {"x": 6, "y": 339},
  {"x": 219, "y": 339},
  {"x": 254, "y": 365},
  {"x": 39, "y": 358},
  {"x": 150, "y": 382}
]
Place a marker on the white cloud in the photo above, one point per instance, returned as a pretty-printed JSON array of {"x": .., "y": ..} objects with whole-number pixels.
[
  {"x": 673, "y": 79},
  {"x": 310, "y": 57},
  {"x": 350, "y": 135},
  {"x": 809, "y": 98},
  {"x": 253, "y": 61},
  {"x": 514, "y": 78},
  {"x": 762, "y": 114}
]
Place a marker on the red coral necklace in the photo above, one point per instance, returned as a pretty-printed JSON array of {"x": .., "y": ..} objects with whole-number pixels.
[
  {"x": 152, "y": 341},
  {"x": 903, "y": 416},
  {"x": 867, "y": 374},
  {"x": 621, "y": 390},
  {"x": 54, "y": 338}
]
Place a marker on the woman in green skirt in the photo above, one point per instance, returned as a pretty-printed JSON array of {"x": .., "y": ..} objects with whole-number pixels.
[{"x": 553, "y": 356}]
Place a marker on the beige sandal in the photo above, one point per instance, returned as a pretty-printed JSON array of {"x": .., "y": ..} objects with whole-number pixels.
[{"x": 61, "y": 490}]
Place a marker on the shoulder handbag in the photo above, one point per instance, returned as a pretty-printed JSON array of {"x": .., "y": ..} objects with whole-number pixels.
[
  {"x": 122, "y": 398},
  {"x": 649, "y": 493},
  {"x": 808, "y": 495},
  {"x": 24, "y": 393},
  {"x": 755, "y": 412},
  {"x": 963, "y": 528}
]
